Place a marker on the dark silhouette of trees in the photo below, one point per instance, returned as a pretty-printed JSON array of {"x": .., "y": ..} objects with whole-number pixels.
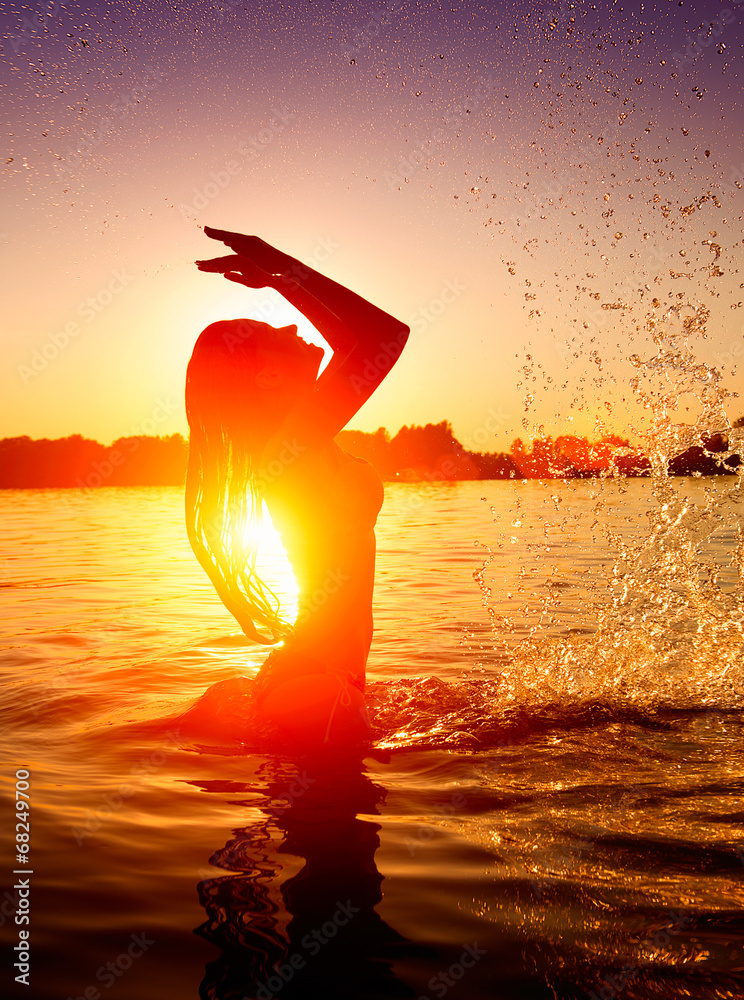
[
  {"x": 81, "y": 462},
  {"x": 544, "y": 460},
  {"x": 431, "y": 450},
  {"x": 573, "y": 457},
  {"x": 429, "y": 453},
  {"x": 152, "y": 461},
  {"x": 495, "y": 465},
  {"x": 704, "y": 459},
  {"x": 27, "y": 463},
  {"x": 375, "y": 448}
]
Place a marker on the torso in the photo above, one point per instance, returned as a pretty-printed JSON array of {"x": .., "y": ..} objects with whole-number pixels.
[{"x": 324, "y": 504}]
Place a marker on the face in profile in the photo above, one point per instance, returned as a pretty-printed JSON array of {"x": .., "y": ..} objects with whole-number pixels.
[
  {"x": 244, "y": 372},
  {"x": 285, "y": 362}
]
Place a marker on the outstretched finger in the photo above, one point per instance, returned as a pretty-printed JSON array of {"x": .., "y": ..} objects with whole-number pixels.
[
  {"x": 257, "y": 279},
  {"x": 224, "y": 235},
  {"x": 220, "y": 263}
]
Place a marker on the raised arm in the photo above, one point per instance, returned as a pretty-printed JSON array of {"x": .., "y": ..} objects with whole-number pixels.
[{"x": 366, "y": 341}]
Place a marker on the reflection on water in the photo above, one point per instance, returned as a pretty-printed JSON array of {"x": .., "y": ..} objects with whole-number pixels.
[
  {"x": 571, "y": 817},
  {"x": 298, "y": 917}
]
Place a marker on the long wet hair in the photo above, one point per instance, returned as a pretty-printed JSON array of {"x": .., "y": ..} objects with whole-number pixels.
[{"x": 230, "y": 419}]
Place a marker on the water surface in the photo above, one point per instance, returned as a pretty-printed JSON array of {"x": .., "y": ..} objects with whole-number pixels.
[{"x": 552, "y": 806}]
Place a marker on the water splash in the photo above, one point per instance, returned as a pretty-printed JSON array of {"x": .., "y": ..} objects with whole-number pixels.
[{"x": 669, "y": 632}]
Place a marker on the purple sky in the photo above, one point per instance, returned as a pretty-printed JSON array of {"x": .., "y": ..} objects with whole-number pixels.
[{"x": 505, "y": 177}]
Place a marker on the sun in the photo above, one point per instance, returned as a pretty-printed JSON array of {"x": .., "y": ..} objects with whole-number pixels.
[
  {"x": 272, "y": 562},
  {"x": 263, "y": 304}
]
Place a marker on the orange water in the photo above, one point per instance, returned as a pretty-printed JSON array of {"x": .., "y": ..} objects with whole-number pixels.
[{"x": 551, "y": 808}]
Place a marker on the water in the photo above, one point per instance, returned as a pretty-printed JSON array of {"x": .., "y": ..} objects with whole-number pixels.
[{"x": 552, "y": 807}]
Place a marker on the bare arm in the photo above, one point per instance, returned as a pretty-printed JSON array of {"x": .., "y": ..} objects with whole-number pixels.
[
  {"x": 344, "y": 318},
  {"x": 358, "y": 321},
  {"x": 366, "y": 341}
]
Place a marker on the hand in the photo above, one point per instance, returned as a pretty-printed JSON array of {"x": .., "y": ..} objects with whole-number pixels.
[
  {"x": 262, "y": 254},
  {"x": 238, "y": 269}
]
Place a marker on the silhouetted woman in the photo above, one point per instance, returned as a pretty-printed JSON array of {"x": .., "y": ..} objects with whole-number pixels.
[{"x": 263, "y": 424}]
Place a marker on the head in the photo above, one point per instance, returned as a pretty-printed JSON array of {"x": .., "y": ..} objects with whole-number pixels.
[{"x": 243, "y": 378}]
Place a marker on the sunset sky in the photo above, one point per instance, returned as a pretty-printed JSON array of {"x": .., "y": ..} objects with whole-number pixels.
[{"x": 504, "y": 177}]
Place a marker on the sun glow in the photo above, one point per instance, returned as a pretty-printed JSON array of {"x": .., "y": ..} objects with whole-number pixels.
[
  {"x": 272, "y": 563},
  {"x": 263, "y": 304},
  {"x": 263, "y": 536}
]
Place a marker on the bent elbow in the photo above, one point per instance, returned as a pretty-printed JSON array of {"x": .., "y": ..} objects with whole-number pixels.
[
  {"x": 394, "y": 347},
  {"x": 402, "y": 332}
]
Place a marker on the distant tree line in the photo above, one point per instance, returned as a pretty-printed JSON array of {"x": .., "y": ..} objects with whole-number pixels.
[
  {"x": 81, "y": 462},
  {"x": 415, "y": 453}
]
